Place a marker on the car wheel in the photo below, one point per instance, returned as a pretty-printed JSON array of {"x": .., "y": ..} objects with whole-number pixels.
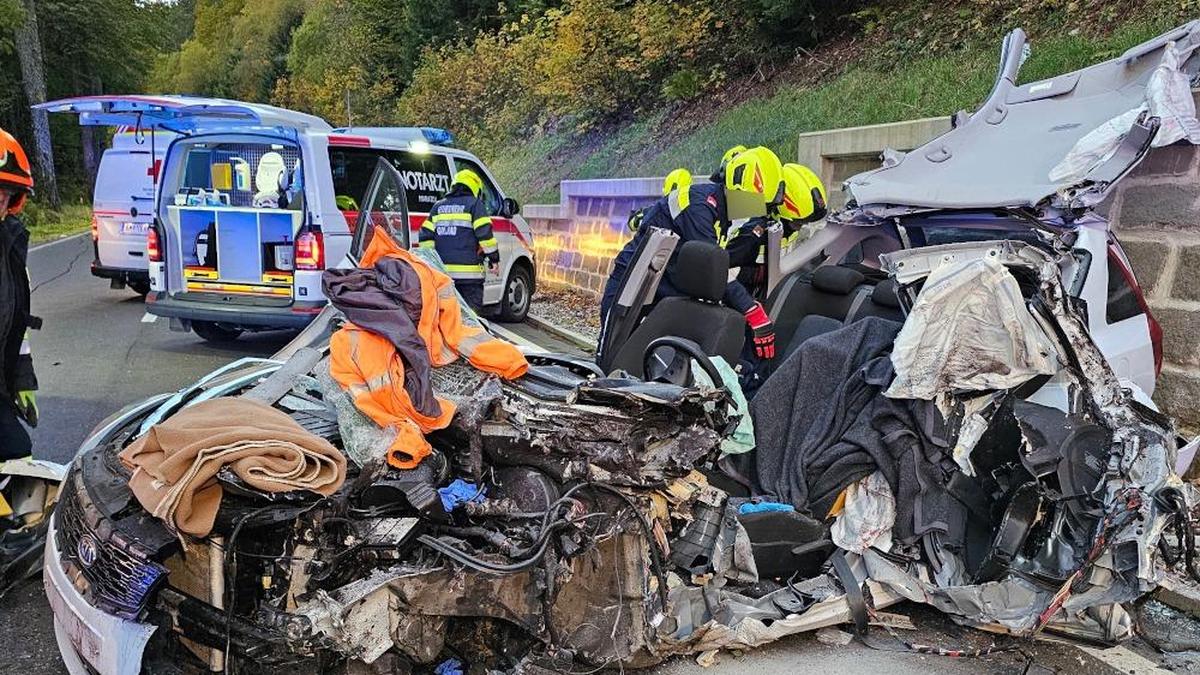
[
  {"x": 216, "y": 332},
  {"x": 518, "y": 293},
  {"x": 140, "y": 286}
]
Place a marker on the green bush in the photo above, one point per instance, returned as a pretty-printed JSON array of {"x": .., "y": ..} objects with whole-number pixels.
[{"x": 572, "y": 69}]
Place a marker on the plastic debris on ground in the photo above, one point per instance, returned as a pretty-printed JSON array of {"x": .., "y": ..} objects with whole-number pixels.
[
  {"x": 460, "y": 492},
  {"x": 764, "y": 507},
  {"x": 449, "y": 667}
]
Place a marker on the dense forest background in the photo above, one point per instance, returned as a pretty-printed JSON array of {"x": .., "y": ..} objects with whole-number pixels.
[{"x": 565, "y": 75}]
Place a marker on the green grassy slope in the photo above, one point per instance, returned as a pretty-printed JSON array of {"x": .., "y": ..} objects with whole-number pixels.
[
  {"x": 45, "y": 225},
  {"x": 867, "y": 92}
]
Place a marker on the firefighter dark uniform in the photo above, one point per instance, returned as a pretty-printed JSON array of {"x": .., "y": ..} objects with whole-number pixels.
[
  {"x": 459, "y": 227},
  {"x": 17, "y": 380},
  {"x": 702, "y": 213}
]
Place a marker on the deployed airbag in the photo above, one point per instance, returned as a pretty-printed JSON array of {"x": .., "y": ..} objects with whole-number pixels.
[{"x": 969, "y": 331}]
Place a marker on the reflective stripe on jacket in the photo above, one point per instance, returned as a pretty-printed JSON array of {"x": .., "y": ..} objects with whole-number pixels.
[
  {"x": 460, "y": 228},
  {"x": 369, "y": 366}
]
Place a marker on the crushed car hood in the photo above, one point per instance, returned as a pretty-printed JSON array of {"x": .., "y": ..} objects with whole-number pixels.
[{"x": 1003, "y": 154}]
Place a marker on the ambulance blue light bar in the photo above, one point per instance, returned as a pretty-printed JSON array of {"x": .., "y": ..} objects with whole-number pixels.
[{"x": 437, "y": 136}]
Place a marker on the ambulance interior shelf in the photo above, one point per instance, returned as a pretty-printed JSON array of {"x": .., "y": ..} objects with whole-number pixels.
[{"x": 247, "y": 246}]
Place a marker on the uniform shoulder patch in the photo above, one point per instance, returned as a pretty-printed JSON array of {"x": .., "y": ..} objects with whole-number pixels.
[{"x": 712, "y": 201}]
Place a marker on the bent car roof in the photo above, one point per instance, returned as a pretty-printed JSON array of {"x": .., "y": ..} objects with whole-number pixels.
[
  {"x": 180, "y": 113},
  {"x": 1002, "y": 155}
]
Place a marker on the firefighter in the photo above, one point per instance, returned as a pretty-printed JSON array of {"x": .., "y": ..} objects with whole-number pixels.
[
  {"x": 460, "y": 228},
  {"x": 804, "y": 202},
  {"x": 679, "y": 179},
  {"x": 749, "y": 185},
  {"x": 17, "y": 381}
]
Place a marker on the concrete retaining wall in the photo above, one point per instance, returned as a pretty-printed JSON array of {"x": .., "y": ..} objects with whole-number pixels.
[{"x": 837, "y": 154}]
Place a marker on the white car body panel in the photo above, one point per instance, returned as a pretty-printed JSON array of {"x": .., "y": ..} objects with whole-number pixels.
[{"x": 125, "y": 184}]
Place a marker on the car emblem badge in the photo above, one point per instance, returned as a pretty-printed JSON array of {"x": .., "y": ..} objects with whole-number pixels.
[{"x": 87, "y": 550}]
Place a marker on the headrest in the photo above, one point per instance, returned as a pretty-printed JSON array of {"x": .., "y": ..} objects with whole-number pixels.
[
  {"x": 701, "y": 271},
  {"x": 837, "y": 280},
  {"x": 885, "y": 294}
]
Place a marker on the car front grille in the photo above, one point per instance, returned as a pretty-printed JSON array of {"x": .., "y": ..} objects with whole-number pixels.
[{"x": 107, "y": 568}]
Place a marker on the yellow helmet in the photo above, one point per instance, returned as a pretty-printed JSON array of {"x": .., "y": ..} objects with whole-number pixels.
[
  {"x": 804, "y": 197},
  {"x": 753, "y": 183},
  {"x": 470, "y": 180},
  {"x": 731, "y": 153},
  {"x": 679, "y": 179}
]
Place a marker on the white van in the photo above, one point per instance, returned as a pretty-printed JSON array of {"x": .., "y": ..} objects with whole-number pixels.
[
  {"x": 254, "y": 201},
  {"x": 123, "y": 206}
]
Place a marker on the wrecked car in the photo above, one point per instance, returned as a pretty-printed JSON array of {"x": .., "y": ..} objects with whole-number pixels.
[{"x": 955, "y": 422}]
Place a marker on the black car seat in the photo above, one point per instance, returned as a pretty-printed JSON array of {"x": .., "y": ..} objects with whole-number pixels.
[
  {"x": 700, "y": 273},
  {"x": 881, "y": 301},
  {"x": 831, "y": 293}
]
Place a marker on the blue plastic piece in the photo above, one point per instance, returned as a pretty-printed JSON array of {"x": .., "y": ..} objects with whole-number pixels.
[
  {"x": 450, "y": 666},
  {"x": 764, "y": 507},
  {"x": 460, "y": 492},
  {"x": 437, "y": 136}
]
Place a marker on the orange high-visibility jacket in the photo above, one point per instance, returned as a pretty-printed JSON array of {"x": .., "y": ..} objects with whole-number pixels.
[{"x": 366, "y": 364}]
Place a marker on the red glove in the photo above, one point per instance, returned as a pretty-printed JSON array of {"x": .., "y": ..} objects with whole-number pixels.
[{"x": 763, "y": 331}]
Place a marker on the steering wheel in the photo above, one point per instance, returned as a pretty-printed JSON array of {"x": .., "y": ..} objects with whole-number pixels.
[{"x": 669, "y": 359}]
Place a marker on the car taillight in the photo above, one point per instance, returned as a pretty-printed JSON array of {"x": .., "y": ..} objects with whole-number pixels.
[
  {"x": 1156, "y": 333},
  {"x": 1156, "y": 339},
  {"x": 310, "y": 250},
  {"x": 153, "y": 250},
  {"x": 95, "y": 228}
]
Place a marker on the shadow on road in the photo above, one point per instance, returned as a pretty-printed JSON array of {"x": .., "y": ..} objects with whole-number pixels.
[{"x": 249, "y": 344}]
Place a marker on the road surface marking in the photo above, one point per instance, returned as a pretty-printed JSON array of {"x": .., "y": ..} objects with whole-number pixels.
[
  {"x": 56, "y": 241},
  {"x": 1124, "y": 660},
  {"x": 149, "y": 318}
]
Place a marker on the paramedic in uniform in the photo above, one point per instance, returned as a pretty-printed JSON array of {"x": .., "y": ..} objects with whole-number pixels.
[
  {"x": 459, "y": 227},
  {"x": 17, "y": 381}
]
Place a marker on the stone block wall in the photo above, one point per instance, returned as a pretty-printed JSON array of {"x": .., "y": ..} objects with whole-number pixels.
[
  {"x": 577, "y": 239},
  {"x": 1156, "y": 214}
]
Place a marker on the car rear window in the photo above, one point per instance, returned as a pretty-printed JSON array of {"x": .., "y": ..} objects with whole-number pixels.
[
  {"x": 1123, "y": 302},
  {"x": 936, "y": 235}
]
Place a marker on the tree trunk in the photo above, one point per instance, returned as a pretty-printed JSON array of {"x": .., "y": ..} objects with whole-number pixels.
[
  {"x": 91, "y": 141},
  {"x": 33, "y": 78}
]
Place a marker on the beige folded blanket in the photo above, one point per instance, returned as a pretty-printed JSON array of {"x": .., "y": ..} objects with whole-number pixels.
[{"x": 175, "y": 464}]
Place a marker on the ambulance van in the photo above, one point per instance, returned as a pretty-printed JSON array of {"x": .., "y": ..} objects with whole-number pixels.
[{"x": 254, "y": 202}]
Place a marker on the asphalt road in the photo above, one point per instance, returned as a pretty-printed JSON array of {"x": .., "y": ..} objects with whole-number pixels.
[{"x": 95, "y": 355}]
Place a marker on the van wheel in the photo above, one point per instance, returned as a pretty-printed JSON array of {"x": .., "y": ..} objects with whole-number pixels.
[
  {"x": 216, "y": 332},
  {"x": 518, "y": 293},
  {"x": 140, "y": 287}
]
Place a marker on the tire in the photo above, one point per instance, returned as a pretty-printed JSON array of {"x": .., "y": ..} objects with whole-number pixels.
[
  {"x": 140, "y": 286},
  {"x": 216, "y": 332},
  {"x": 518, "y": 294}
]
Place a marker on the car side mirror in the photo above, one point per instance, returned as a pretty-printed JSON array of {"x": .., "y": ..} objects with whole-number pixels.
[{"x": 509, "y": 208}]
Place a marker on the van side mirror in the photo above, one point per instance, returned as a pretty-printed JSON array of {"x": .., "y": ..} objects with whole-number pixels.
[{"x": 509, "y": 208}]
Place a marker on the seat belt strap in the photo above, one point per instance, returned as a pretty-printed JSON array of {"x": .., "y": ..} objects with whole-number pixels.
[
  {"x": 857, "y": 303},
  {"x": 854, "y": 593}
]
